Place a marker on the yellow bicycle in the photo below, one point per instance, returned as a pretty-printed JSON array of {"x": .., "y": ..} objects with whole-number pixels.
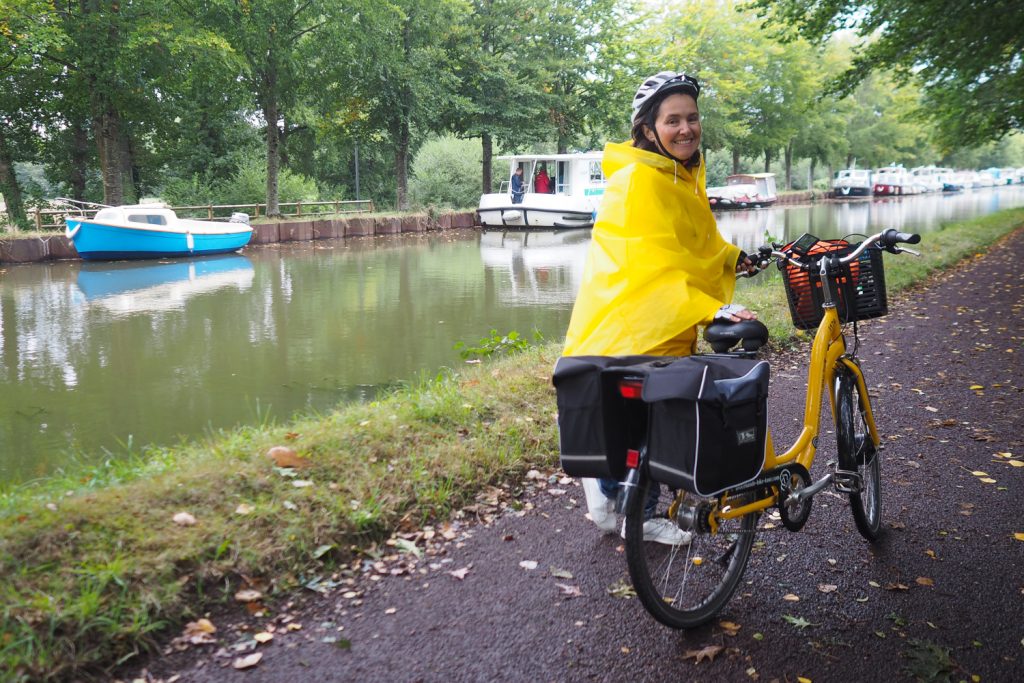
[{"x": 829, "y": 284}]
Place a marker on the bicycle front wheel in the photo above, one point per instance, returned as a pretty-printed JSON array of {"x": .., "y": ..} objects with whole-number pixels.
[
  {"x": 684, "y": 585},
  {"x": 857, "y": 453}
]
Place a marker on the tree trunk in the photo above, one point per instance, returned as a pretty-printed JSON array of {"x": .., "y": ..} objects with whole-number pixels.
[
  {"x": 810, "y": 173},
  {"x": 735, "y": 161},
  {"x": 767, "y": 161},
  {"x": 106, "y": 125},
  {"x": 789, "y": 165},
  {"x": 79, "y": 161},
  {"x": 9, "y": 187},
  {"x": 402, "y": 163},
  {"x": 130, "y": 179},
  {"x": 272, "y": 155},
  {"x": 487, "y": 144},
  {"x": 849, "y": 160}
]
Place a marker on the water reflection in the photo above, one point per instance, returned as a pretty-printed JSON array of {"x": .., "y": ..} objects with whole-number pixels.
[
  {"x": 535, "y": 267},
  {"x": 127, "y": 287},
  {"x": 93, "y": 356},
  {"x": 919, "y": 213}
]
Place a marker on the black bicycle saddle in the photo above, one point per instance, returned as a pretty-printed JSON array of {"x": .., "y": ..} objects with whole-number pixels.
[{"x": 724, "y": 335}]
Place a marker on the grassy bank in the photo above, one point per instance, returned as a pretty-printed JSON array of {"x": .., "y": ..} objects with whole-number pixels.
[{"x": 95, "y": 564}]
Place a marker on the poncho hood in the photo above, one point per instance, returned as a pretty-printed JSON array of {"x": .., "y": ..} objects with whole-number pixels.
[{"x": 657, "y": 265}]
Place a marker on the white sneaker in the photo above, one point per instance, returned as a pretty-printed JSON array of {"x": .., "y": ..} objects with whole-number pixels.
[
  {"x": 600, "y": 507},
  {"x": 661, "y": 530}
]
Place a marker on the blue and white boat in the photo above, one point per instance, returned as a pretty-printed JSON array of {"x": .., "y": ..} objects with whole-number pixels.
[{"x": 143, "y": 231}]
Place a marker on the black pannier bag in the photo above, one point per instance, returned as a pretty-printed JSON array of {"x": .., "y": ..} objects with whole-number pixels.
[
  {"x": 591, "y": 423},
  {"x": 708, "y": 421}
]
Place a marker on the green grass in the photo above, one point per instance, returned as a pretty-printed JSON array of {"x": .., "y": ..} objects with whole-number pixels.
[{"x": 94, "y": 567}]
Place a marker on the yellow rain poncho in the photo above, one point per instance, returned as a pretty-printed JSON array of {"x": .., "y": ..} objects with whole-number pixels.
[{"x": 657, "y": 265}]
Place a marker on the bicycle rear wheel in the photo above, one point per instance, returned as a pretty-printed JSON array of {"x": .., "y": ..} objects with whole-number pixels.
[
  {"x": 858, "y": 454},
  {"x": 686, "y": 585}
]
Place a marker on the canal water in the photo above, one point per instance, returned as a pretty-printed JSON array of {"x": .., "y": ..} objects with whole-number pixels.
[{"x": 100, "y": 359}]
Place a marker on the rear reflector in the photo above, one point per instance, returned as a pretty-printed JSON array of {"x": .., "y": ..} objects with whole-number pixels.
[
  {"x": 631, "y": 388},
  {"x": 632, "y": 458}
]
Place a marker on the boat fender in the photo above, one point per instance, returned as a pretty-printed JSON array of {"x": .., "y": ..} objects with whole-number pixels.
[{"x": 190, "y": 241}]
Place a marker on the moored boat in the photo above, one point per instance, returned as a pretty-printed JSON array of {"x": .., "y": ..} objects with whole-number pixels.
[
  {"x": 559, "y": 191},
  {"x": 743, "y": 191},
  {"x": 142, "y": 231},
  {"x": 852, "y": 182},
  {"x": 893, "y": 181}
]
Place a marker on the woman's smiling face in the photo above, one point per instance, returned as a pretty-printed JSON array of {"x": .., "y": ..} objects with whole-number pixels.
[{"x": 677, "y": 126}]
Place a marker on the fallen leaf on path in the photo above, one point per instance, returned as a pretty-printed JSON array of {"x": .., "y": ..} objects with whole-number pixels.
[
  {"x": 248, "y": 595},
  {"x": 248, "y": 661},
  {"x": 1015, "y": 463},
  {"x": 243, "y": 509},
  {"x": 1019, "y": 536},
  {"x": 790, "y": 597},
  {"x": 827, "y": 587},
  {"x": 896, "y": 587},
  {"x": 528, "y": 564},
  {"x": 560, "y": 573},
  {"x": 708, "y": 652},
  {"x": 987, "y": 480},
  {"x": 460, "y": 574},
  {"x": 622, "y": 589},
  {"x": 569, "y": 591},
  {"x": 925, "y": 581},
  {"x": 729, "y": 627},
  {"x": 799, "y": 622},
  {"x": 263, "y": 637},
  {"x": 931, "y": 410},
  {"x": 979, "y": 473}
]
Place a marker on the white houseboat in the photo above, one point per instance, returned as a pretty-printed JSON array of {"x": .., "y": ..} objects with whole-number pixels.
[
  {"x": 852, "y": 182},
  {"x": 743, "y": 191},
  {"x": 893, "y": 181},
  {"x": 559, "y": 191}
]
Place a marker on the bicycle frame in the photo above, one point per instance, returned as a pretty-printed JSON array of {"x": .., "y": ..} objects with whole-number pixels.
[{"x": 828, "y": 350}]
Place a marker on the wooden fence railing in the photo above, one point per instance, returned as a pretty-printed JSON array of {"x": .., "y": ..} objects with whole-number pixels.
[{"x": 49, "y": 219}]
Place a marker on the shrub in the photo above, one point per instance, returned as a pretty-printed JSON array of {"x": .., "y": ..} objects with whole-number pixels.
[{"x": 446, "y": 173}]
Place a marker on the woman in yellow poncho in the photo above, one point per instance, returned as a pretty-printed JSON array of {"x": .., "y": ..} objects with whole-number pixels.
[{"x": 657, "y": 266}]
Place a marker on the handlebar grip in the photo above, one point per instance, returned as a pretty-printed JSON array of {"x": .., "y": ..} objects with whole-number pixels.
[{"x": 892, "y": 237}]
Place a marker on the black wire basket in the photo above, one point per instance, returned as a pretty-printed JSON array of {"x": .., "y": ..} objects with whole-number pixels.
[{"x": 858, "y": 288}]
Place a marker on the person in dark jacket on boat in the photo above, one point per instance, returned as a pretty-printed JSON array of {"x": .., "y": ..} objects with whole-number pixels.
[{"x": 517, "y": 186}]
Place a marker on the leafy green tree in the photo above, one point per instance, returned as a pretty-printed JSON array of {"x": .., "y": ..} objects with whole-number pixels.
[
  {"x": 274, "y": 39},
  {"x": 576, "y": 47},
  {"x": 968, "y": 57},
  {"x": 499, "y": 94},
  {"x": 882, "y": 125}
]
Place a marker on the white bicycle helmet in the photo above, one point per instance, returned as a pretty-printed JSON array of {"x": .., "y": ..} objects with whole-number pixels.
[{"x": 660, "y": 85}]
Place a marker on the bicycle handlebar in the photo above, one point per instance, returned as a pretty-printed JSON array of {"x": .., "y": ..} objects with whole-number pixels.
[{"x": 887, "y": 239}]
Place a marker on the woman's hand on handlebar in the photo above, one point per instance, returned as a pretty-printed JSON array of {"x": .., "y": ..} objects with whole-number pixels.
[{"x": 746, "y": 265}]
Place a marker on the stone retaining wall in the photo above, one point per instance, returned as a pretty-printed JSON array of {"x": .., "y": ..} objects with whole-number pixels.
[{"x": 58, "y": 247}]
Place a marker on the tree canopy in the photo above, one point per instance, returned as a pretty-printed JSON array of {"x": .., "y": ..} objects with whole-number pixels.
[
  {"x": 209, "y": 99},
  {"x": 967, "y": 56}
]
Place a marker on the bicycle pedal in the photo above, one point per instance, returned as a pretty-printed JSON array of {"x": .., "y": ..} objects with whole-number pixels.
[{"x": 847, "y": 482}]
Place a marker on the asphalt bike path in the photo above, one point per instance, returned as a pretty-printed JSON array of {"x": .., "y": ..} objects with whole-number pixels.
[{"x": 523, "y": 587}]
